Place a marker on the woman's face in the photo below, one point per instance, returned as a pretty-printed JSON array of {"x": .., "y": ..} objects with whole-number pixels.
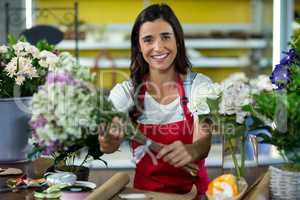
[{"x": 158, "y": 44}]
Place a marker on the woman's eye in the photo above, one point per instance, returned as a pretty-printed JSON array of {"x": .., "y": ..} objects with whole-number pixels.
[
  {"x": 148, "y": 40},
  {"x": 166, "y": 37}
]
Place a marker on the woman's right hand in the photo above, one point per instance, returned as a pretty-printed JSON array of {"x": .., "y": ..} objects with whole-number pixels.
[{"x": 110, "y": 138}]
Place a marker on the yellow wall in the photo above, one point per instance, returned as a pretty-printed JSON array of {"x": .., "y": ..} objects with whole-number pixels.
[
  {"x": 188, "y": 11},
  {"x": 211, "y": 11}
]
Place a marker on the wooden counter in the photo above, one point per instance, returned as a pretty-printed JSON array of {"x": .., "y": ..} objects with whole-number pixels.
[{"x": 99, "y": 176}]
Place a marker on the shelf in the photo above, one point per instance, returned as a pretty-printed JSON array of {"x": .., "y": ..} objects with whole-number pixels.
[
  {"x": 190, "y": 43},
  {"x": 196, "y": 62}
]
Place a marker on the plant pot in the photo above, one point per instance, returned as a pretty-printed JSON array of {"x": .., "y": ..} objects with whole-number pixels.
[
  {"x": 15, "y": 130},
  {"x": 81, "y": 172},
  {"x": 284, "y": 184}
]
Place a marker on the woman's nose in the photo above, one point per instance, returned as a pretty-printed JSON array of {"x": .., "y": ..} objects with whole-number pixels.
[{"x": 158, "y": 45}]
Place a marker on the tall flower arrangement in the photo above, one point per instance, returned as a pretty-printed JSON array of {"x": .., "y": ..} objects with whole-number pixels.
[
  {"x": 224, "y": 105},
  {"x": 23, "y": 67}
]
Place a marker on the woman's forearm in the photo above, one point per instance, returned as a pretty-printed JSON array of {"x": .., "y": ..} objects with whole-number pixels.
[{"x": 202, "y": 143}]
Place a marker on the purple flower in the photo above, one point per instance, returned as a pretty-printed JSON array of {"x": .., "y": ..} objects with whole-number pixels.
[
  {"x": 38, "y": 123},
  {"x": 280, "y": 76},
  {"x": 63, "y": 78},
  {"x": 289, "y": 58},
  {"x": 51, "y": 148}
]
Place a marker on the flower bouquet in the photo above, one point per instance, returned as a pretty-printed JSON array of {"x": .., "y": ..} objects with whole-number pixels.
[
  {"x": 65, "y": 113},
  {"x": 224, "y": 108}
]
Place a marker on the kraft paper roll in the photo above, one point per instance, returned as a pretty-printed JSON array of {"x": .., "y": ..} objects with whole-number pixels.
[
  {"x": 192, "y": 195},
  {"x": 110, "y": 188}
]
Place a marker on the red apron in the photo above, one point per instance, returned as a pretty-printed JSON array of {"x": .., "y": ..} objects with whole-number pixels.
[{"x": 163, "y": 177}]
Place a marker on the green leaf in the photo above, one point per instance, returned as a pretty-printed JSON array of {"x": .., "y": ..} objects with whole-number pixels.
[
  {"x": 44, "y": 45},
  {"x": 11, "y": 40},
  {"x": 213, "y": 105},
  {"x": 247, "y": 108}
]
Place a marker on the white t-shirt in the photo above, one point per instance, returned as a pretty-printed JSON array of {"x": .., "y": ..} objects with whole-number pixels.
[{"x": 155, "y": 113}]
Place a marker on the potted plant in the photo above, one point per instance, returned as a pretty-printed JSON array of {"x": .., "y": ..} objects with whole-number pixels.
[
  {"x": 279, "y": 110},
  {"x": 23, "y": 67}
]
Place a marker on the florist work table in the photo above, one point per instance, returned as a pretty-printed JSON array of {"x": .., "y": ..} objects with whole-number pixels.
[{"x": 37, "y": 168}]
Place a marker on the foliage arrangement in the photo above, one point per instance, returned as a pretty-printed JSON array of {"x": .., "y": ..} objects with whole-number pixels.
[{"x": 279, "y": 109}]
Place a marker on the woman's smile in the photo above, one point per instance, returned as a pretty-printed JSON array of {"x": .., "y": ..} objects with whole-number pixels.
[{"x": 160, "y": 57}]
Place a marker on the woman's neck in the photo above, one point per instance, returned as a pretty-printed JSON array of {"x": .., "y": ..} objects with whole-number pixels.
[
  {"x": 162, "y": 83},
  {"x": 162, "y": 77}
]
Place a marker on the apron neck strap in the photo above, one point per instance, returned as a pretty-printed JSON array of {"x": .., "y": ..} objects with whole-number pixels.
[{"x": 183, "y": 99}]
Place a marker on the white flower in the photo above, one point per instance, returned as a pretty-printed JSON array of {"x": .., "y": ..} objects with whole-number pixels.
[
  {"x": 24, "y": 63},
  {"x": 33, "y": 51},
  {"x": 233, "y": 78},
  {"x": 261, "y": 83},
  {"x": 66, "y": 62},
  {"x": 25, "y": 69},
  {"x": 3, "y": 49},
  {"x": 29, "y": 71},
  {"x": 21, "y": 48},
  {"x": 19, "y": 80},
  {"x": 12, "y": 67},
  {"x": 47, "y": 59},
  {"x": 233, "y": 99}
]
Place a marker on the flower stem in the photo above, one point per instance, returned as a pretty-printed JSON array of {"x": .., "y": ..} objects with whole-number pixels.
[
  {"x": 85, "y": 159},
  {"x": 242, "y": 169},
  {"x": 235, "y": 162}
]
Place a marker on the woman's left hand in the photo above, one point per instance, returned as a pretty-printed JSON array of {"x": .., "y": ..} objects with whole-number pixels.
[{"x": 178, "y": 154}]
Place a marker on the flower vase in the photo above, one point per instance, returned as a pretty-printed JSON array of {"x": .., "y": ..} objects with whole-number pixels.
[
  {"x": 14, "y": 129},
  {"x": 284, "y": 184},
  {"x": 243, "y": 186}
]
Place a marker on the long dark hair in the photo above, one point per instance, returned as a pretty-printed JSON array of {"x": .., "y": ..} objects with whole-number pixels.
[{"x": 139, "y": 67}]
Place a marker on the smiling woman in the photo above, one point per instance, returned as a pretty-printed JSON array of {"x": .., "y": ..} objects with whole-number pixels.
[{"x": 157, "y": 99}]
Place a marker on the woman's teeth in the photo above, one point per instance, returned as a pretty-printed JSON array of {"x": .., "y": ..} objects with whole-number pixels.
[{"x": 161, "y": 56}]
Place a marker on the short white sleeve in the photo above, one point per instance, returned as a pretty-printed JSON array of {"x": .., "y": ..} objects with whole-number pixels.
[
  {"x": 122, "y": 96},
  {"x": 200, "y": 85}
]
